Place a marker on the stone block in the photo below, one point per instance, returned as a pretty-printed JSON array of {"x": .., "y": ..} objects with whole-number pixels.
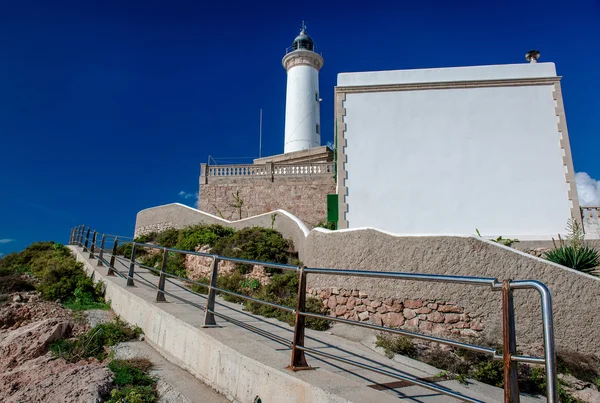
[
  {"x": 425, "y": 326},
  {"x": 351, "y": 303},
  {"x": 409, "y": 313},
  {"x": 435, "y": 317},
  {"x": 376, "y": 304},
  {"x": 340, "y": 310},
  {"x": 363, "y": 316},
  {"x": 413, "y": 303},
  {"x": 449, "y": 309},
  {"x": 423, "y": 310},
  {"x": 341, "y": 300},
  {"x": 452, "y": 318},
  {"x": 382, "y": 309},
  {"x": 393, "y": 319},
  {"x": 414, "y": 322}
]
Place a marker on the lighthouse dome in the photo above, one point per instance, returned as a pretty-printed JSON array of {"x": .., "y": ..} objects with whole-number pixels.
[{"x": 303, "y": 42}]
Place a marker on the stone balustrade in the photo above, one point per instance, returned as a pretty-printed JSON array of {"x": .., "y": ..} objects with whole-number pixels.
[
  {"x": 591, "y": 221},
  {"x": 262, "y": 170}
]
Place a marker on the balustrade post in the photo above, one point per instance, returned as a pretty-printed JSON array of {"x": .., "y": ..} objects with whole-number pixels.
[
  {"x": 101, "y": 255},
  {"x": 111, "y": 266},
  {"x": 130, "y": 282},
  {"x": 160, "y": 295},
  {"x": 298, "y": 357},
  {"x": 87, "y": 238},
  {"x": 509, "y": 345},
  {"x": 209, "y": 317},
  {"x": 93, "y": 248}
]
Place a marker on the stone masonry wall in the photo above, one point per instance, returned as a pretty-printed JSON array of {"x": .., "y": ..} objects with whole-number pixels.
[
  {"x": 440, "y": 318},
  {"x": 303, "y": 196}
]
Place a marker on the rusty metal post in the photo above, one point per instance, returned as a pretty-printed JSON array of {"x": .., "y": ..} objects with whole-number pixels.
[
  {"x": 111, "y": 266},
  {"x": 101, "y": 254},
  {"x": 298, "y": 357},
  {"x": 93, "y": 248},
  {"x": 160, "y": 295},
  {"x": 87, "y": 237},
  {"x": 209, "y": 317},
  {"x": 509, "y": 345},
  {"x": 131, "y": 266}
]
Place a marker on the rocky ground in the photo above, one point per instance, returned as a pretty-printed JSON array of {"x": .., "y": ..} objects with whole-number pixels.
[{"x": 28, "y": 372}]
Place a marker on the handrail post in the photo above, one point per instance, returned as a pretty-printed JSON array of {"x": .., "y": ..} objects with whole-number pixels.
[
  {"x": 93, "y": 248},
  {"x": 131, "y": 267},
  {"x": 160, "y": 295},
  {"x": 101, "y": 255},
  {"x": 298, "y": 357},
  {"x": 209, "y": 317},
  {"x": 111, "y": 266},
  {"x": 87, "y": 237},
  {"x": 509, "y": 345}
]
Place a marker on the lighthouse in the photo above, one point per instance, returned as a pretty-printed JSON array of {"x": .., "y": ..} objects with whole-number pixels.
[{"x": 302, "y": 108}]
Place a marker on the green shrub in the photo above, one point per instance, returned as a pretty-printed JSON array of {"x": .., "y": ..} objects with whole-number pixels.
[
  {"x": 327, "y": 225},
  {"x": 283, "y": 290},
  {"x": 393, "y": 345},
  {"x": 14, "y": 283},
  {"x": 133, "y": 394},
  {"x": 168, "y": 238},
  {"x": 254, "y": 243},
  {"x": 200, "y": 289},
  {"x": 131, "y": 372},
  {"x": 191, "y": 237},
  {"x": 232, "y": 282},
  {"x": 17, "y": 263},
  {"x": 489, "y": 371},
  {"x": 146, "y": 238},
  {"x": 84, "y": 299},
  {"x": 93, "y": 342},
  {"x": 584, "y": 258}
]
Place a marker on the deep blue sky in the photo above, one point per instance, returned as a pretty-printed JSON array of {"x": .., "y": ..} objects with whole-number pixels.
[{"x": 108, "y": 107}]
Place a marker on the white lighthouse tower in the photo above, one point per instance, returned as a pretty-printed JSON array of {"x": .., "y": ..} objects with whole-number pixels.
[{"x": 302, "y": 108}]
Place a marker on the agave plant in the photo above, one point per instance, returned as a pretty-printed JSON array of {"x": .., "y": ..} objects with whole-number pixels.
[{"x": 583, "y": 258}]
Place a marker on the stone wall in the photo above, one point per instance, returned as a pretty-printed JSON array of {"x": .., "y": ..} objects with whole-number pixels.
[
  {"x": 440, "y": 318},
  {"x": 576, "y": 296},
  {"x": 303, "y": 196}
]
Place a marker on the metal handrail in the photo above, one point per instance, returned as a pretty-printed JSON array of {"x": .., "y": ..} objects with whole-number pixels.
[{"x": 87, "y": 238}]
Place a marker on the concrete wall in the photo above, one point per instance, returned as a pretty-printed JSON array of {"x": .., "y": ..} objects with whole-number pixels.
[
  {"x": 303, "y": 196},
  {"x": 576, "y": 295},
  {"x": 447, "y": 160}
]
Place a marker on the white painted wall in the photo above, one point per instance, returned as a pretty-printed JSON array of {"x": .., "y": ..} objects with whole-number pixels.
[
  {"x": 302, "y": 109},
  {"x": 449, "y": 161}
]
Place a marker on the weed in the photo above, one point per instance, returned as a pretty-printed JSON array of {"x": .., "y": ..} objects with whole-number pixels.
[
  {"x": 393, "y": 345},
  {"x": 327, "y": 225},
  {"x": 131, "y": 372},
  {"x": 133, "y": 394},
  {"x": 584, "y": 259},
  {"x": 93, "y": 342},
  {"x": 461, "y": 378}
]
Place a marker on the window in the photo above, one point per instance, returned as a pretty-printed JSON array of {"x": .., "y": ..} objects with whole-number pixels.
[
  {"x": 317, "y": 96},
  {"x": 317, "y": 128}
]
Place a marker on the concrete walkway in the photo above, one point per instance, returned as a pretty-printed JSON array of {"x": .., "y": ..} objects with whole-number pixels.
[{"x": 355, "y": 345}]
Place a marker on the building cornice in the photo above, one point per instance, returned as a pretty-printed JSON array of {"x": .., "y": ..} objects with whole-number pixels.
[
  {"x": 302, "y": 58},
  {"x": 513, "y": 82}
]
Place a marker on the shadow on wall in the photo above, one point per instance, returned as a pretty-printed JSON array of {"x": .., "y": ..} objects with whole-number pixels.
[{"x": 576, "y": 296}]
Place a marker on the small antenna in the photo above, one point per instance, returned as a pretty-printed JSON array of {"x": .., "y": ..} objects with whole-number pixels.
[
  {"x": 260, "y": 136},
  {"x": 303, "y": 27}
]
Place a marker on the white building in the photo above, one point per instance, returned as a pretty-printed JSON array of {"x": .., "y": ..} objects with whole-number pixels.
[{"x": 449, "y": 150}]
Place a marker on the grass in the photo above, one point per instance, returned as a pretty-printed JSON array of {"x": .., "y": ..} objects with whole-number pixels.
[
  {"x": 93, "y": 342},
  {"x": 133, "y": 383}
]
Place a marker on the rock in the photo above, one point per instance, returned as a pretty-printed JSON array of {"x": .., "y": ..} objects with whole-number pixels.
[
  {"x": 468, "y": 333},
  {"x": 433, "y": 306},
  {"x": 382, "y": 309},
  {"x": 340, "y": 310},
  {"x": 363, "y": 316},
  {"x": 351, "y": 303},
  {"x": 425, "y": 326},
  {"x": 435, "y": 317},
  {"x": 335, "y": 290},
  {"x": 341, "y": 300},
  {"x": 17, "y": 298},
  {"x": 587, "y": 395},
  {"x": 396, "y": 306},
  {"x": 393, "y": 319},
  {"x": 423, "y": 310},
  {"x": 355, "y": 293},
  {"x": 360, "y": 308},
  {"x": 477, "y": 326},
  {"x": 363, "y": 294},
  {"x": 452, "y": 318},
  {"x": 409, "y": 313},
  {"x": 449, "y": 309},
  {"x": 412, "y": 322},
  {"x": 388, "y": 301},
  {"x": 377, "y": 319},
  {"x": 376, "y": 304},
  {"x": 413, "y": 303},
  {"x": 332, "y": 302}
]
